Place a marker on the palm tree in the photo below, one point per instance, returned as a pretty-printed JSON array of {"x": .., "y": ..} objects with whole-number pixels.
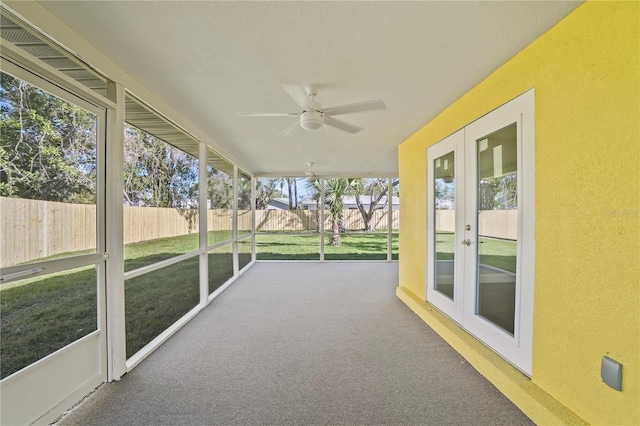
[
  {"x": 335, "y": 190},
  {"x": 292, "y": 189},
  {"x": 313, "y": 188}
]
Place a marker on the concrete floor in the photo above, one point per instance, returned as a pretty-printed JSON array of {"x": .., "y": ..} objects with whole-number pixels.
[{"x": 302, "y": 343}]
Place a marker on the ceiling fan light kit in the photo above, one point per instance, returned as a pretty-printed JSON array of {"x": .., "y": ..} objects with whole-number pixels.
[
  {"x": 312, "y": 116},
  {"x": 311, "y": 120}
]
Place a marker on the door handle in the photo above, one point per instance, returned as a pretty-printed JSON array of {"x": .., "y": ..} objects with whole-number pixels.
[{"x": 466, "y": 242}]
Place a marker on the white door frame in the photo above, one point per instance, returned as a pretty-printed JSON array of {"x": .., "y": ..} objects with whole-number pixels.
[{"x": 516, "y": 348}]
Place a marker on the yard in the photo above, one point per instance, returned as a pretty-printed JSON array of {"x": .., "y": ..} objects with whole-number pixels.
[
  {"x": 495, "y": 252},
  {"x": 354, "y": 246},
  {"x": 41, "y": 315}
]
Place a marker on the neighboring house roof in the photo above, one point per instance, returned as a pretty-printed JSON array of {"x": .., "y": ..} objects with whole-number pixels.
[{"x": 281, "y": 203}]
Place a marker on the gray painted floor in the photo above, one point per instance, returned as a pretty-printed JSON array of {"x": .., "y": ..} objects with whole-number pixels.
[{"x": 303, "y": 343}]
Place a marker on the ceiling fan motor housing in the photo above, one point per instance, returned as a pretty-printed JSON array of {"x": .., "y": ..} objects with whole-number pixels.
[
  {"x": 311, "y": 120},
  {"x": 313, "y": 116}
]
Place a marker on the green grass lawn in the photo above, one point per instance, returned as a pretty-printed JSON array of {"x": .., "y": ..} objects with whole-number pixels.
[
  {"x": 41, "y": 315},
  {"x": 494, "y": 252},
  {"x": 354, "y": 246},
  {"x": 38, "y": 318}
]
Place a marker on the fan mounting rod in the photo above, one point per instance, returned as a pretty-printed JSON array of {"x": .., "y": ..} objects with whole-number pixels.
[{"x": 311, "y": 90}]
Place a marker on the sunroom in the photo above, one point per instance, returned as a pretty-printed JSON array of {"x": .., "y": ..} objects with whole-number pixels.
[{"x": 154, "y": 154}]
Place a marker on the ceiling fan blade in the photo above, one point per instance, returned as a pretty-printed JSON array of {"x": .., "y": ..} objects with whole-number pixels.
[
  {"x": 341, "y": 125},
  {"x": 356, "y": 107},
  {"x": 297, "y": 94},
  {"x": 267, "y": 114},
  {"x": 290, "y": 129}
]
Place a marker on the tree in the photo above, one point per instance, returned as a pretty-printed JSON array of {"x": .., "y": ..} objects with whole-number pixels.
[
  {"x": 266, "y": 191},
  {"x": 219, "y": 189},
  {"x": 292, "y": 190},
  {"x": 375, "y": 190},
  {"x": 295, "y": 194},
  {"x": 498, "y": 193},
  {"x": 244, "y": 192},
  {"x": 335, "y": 190},
  {"x": 47, "y": 145},
  {"x": 445, "y": 194},
  {"x": 313, "y": 187},
  {"x": 157, "y": 174}
]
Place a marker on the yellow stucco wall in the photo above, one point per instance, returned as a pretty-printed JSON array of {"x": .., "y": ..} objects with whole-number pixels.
[{"x": 586, "y": 75}]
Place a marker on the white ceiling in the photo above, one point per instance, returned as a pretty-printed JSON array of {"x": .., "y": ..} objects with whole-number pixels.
[{"x": 210, "y": 60}]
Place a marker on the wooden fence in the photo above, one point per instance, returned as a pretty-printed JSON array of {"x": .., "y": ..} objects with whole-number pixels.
[
  {"x": 150, "y": 223},
  {"x": 32, "y": 229},
  {"x": 491, "y": 223},
  {"x": 305, "y": 220}
]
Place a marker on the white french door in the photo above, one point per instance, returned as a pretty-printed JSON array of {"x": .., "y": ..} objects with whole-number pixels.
[{"x": 480, "y": 252}]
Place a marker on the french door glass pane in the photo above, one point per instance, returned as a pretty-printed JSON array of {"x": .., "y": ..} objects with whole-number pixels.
[
  {"x": 497, "y": 204},
  {"x": 445, "y": 212}
]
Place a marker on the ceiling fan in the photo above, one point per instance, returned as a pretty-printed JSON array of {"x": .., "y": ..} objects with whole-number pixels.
[
  {"x": 313, "y": 116},
  {"x": 311, "y": 177}
]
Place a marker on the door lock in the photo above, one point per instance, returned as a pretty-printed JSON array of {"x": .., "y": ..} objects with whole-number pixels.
[{"x": 466, "y": 242}]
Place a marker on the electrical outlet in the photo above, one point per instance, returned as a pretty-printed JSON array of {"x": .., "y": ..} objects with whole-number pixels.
[{"x": 611, "y": 373}]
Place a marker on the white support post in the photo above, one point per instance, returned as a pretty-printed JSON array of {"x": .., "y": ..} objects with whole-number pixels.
[
  {"x": 234, "y": 221},
  {"x": 202, "y": 224},
  {"x": 321, "y": 227},
  {"x": 389, "y": 220},
  {"x": 253, "y": 218},
  {"x": 116, "y": 334}
]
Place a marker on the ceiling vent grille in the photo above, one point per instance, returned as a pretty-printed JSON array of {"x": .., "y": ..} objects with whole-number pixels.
[
  {"x": 13, "y": 30},
  {"x": 139, "y": 115},
  {"x": 145, "y": 118}
]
